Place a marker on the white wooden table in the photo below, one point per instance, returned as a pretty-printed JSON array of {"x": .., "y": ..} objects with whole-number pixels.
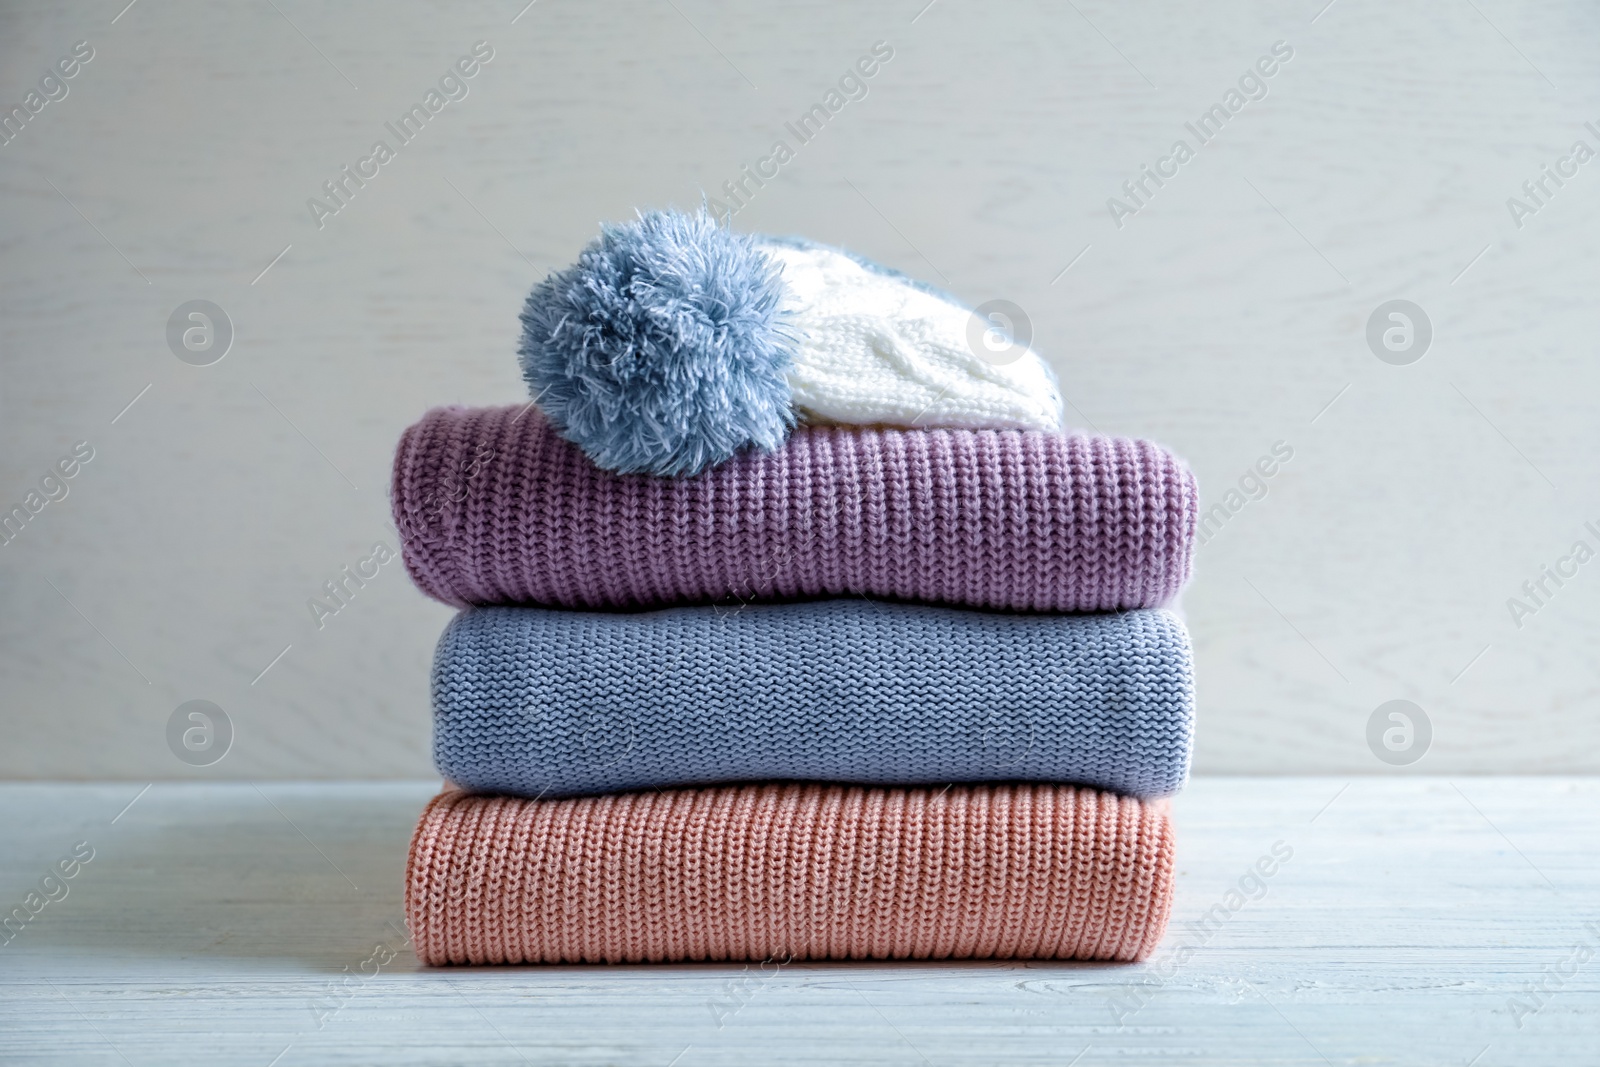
[{"x": 229, "y": 924}]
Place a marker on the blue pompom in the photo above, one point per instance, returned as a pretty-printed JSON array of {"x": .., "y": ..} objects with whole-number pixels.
[{"x": 664, "y": 349}]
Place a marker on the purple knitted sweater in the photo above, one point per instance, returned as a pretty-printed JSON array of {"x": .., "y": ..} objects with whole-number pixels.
[{"x": 494, "y": 507}]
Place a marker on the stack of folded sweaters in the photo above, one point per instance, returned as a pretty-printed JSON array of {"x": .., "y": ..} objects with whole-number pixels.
[{"x": 795, "y": 625}]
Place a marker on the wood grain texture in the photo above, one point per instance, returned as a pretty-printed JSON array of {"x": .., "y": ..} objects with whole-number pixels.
[
  {"x": 227, "y": 924},
  {"x": 1226, "y": 315}
]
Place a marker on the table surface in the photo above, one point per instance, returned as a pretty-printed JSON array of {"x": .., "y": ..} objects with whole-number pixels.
[{"x": 1417, "y": 920}]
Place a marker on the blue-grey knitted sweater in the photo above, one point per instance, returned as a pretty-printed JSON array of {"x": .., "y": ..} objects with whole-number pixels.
[{"x": 535, "y": 702}]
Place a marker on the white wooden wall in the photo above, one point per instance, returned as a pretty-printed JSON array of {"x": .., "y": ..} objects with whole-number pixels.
[{"x": 1226, "y": 315}]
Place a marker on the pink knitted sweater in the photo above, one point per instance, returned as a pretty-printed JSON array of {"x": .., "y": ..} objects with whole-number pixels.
[
  {"x": 494, "y": 507},
  {"x": 802, "y": 871}
]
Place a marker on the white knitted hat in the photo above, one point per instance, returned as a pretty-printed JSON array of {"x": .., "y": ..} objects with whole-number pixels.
[
  {"x": 674, "y": 343},
  {"x": 876, "y": 348}
]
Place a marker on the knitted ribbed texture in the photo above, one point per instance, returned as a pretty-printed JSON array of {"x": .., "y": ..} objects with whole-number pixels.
[
  {"x": 876, "y": 349},
  {"x": 537, "y": 702},
  {"x": 493, "y": 507},
  {"x": 801, "y": 871}
]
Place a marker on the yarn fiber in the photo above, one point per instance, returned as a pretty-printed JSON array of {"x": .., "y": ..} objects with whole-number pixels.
[
  {"x": 791, "y": 871},
  {"x": 663, "y": 349},
  {"x": 494, "y": 507},
  {"x": 534, "y": 702}
]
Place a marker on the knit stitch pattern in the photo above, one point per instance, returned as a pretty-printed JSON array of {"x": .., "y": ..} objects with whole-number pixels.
[
  {"x": 791, "y": 871},
  {"x": 494, "y": 507},
  {"x": 876, "y": 350},
  {"x": 536, "y": 702}
]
